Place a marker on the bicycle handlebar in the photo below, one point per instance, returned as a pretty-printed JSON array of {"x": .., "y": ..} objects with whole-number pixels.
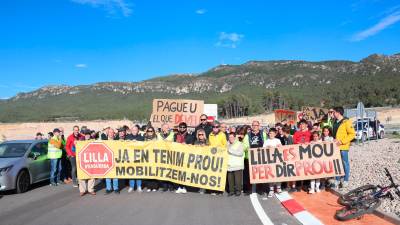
[
  {"x": 397, "y": 187},
  {"x": 389, "y": 176}
]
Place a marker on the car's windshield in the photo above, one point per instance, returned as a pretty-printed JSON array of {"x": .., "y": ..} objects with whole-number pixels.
[{"x": 10, "y": 150}]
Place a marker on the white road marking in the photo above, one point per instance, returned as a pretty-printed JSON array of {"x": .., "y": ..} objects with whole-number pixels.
[{"x": 259, "y": 210}]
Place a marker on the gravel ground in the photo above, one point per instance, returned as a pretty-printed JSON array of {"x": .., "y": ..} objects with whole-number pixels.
[{"x": 367, "y": 163}]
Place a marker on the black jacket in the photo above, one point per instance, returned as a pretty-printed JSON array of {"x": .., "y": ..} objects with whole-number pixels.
[
  {"x": 132, "y": 137},
  {"x": 207, "y": 128}
]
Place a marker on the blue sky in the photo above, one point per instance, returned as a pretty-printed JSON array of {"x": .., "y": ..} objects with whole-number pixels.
[{"x": 75, "y": 42}]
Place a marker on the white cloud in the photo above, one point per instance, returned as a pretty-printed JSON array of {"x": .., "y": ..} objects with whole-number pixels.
[
  {"x": 81, "y": 65},
  {"x": 112, "y": 7},
  {"x": 4, "y": 98},
  {"x": 381, "y": 25},
  {"x": 201, "y": 11},
  {"x": 229, "y": 40}
]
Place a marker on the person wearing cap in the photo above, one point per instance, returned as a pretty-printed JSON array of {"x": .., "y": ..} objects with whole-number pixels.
[
  {"x": 183, "y": 137},
  {"x": 54, "y": 154},
  {"x": 121, "y": 134},
  {"x": 104, "y": 133}
]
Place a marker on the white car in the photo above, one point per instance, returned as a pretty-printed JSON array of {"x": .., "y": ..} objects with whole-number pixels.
[{"x": 365, "y": 130}]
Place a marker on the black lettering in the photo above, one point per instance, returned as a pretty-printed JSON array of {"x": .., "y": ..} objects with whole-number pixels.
[
  {"x": 306, "y": 150},
  {"x": 120, "y": 171}
]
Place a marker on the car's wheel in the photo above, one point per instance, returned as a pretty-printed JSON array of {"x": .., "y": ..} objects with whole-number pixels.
[
  {"x": 364, "y": 137},
  {"x": 23, "y": 181},
  {"x": 381, "y": 135}
]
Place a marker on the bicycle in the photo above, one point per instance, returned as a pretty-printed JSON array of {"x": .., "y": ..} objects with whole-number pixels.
[{"x": 365, "y": 199}]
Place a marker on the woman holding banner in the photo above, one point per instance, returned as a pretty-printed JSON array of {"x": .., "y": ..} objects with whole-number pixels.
[
  {"x": 201, "y": 140},
  {"x": 150, "y": 135}
]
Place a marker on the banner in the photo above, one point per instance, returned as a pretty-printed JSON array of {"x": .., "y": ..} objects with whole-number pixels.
[
  {"x": 285, "y": 115},
  {"x": 295, "y": 162},
  {"x": 202, "y": 167},
  {"x": 174, "y": 111},
  {"x": 313, "y": 113}
]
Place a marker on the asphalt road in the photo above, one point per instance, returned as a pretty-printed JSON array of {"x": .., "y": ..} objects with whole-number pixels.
[{"x": 62, "y": 205}]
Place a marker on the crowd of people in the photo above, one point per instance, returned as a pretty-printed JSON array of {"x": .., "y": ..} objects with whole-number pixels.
[{"x": 237, "y": 140}]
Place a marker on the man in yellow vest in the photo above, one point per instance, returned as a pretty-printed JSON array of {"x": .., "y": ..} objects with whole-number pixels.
[{"x": 54, "y": 154}]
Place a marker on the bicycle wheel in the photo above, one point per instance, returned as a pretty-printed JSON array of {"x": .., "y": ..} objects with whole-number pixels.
[
  {"x": 364, "y": 207},
  {"x": 357, "y": 194}
]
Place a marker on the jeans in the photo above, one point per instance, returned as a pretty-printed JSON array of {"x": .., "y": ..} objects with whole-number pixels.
[
  {"x": 114, "y": 184},
  {"x": 346, "y": 165},
  {"x": 132, "y": 183},
  {"x": 73, "y": 169},
  {"x": 55, "y": 169}
]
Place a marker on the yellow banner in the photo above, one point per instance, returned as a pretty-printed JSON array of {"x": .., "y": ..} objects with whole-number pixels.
[{"x": 202, "y": 167}]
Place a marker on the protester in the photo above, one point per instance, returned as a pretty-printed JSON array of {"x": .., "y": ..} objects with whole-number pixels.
[
  {"x": 65, "y": 174},
  {"x": 201, "y": 138},
  {"x": 315, "y": 183},
  {"x": 85, "y": 185},
  {"x": 104, "y": 133},
  {"x": 303, "y": 135},
  {"x": 183, "y": 137},
  {"x": 150, "y": 135},
  {"x": 223, "y": 128},
  {"x": 54, "y": 154},
  {"x": 287, "y": 138},
  {"x": 39, "y": 136},
  {"x": 134, "y": 135},
  {"x": 344, "y": 133},
  {"x": 279, "y": 134},
  {"x": 217, "y": 138},
  {"x": 204, "y": 125},
  {"x": 326, "y": 134},
  {"x": 71, "y": 152},
  {"x": 165, "y": 133},
  {"x": 111, "y": 184},
  {"x": 273, "y": 142},
  {"x": 235, "y": 165},
  {"x": 121, "y": 134},
  {"x": 50, "y": 135},
  {"x": 254, "y": 139}
]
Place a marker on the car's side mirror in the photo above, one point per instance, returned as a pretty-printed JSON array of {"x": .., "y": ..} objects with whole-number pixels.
[{"x": 34, "y": 155}]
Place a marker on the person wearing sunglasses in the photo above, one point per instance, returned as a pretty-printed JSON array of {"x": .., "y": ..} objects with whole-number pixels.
[
  {"x": 183, "y": 137},
  {"x": 150, "y": 135},
  {"x": 217, "y": 138},
  {"x": 203, "y": 125}
]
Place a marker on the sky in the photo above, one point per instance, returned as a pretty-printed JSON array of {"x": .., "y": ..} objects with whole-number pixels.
[{"x": 73, "y": 42}]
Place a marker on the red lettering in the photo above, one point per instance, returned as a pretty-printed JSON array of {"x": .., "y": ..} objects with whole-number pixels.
[
  {"x": 299, "y": 167},
  {"x": 330, "y": 167},
  {"x": 307, "y": 168},
  {"x": 314, "y": 167}
]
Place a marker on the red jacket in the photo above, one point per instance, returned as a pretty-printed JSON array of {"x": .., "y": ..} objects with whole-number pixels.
[
  {"x": 70, "y": 144},
  {"x": 301, "y": 137}
]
